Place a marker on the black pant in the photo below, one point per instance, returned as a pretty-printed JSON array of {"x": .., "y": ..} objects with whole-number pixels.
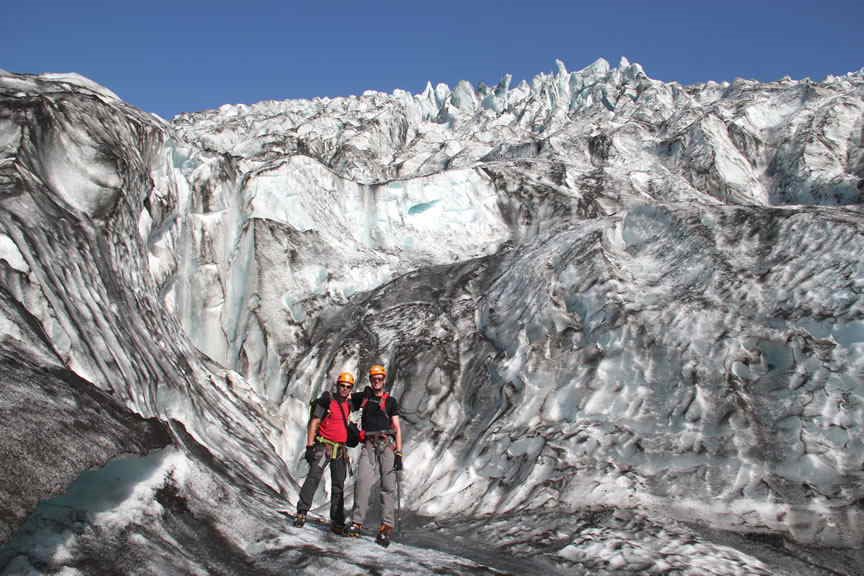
[{"x": 338, "y": 469}]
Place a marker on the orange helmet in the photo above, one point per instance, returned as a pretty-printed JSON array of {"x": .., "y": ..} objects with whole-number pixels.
[
  {"x": 377, "y": 370},
  {"x": 346, "y": 377}
]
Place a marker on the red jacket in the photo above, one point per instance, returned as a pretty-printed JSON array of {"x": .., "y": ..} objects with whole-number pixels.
[{"x": 333, "y": 426}]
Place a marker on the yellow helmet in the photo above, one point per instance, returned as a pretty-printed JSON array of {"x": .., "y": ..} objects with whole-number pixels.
[
  {"x": 346, "y": 377},
  {"x": 377, "y": 370}
]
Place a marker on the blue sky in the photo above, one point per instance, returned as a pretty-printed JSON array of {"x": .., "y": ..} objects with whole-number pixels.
[{"x": 176, "y": 56}]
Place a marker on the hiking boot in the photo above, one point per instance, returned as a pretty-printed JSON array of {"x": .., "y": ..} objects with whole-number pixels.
[
  {"x": 339, "y": 529},
  {"x": 299, "y": 520},
  {"x": 354, "y": 530},
  {"x": 383, "y": 538}
]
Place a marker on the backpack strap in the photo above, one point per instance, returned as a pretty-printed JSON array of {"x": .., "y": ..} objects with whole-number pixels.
[
  {"x": 381, "y": 403},
  {"x": 323, "y": 400}
]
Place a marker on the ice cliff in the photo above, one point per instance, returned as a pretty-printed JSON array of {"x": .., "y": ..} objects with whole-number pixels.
[{"x": 616, "y": 309}]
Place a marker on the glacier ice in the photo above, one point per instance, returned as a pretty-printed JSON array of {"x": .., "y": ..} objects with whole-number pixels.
[{"x": 623, "y": 317}]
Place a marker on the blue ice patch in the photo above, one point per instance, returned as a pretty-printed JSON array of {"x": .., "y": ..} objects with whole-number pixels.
[{"x": 422, "y": 207}]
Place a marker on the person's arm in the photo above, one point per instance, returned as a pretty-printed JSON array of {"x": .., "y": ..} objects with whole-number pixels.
[
  {"x": 398, "y": 430},
  {"x": 318, "y": 412},
  {"x": 312, "y": 431}
]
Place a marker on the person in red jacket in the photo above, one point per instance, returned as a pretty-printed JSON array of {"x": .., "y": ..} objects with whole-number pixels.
[{"x": 326, "y": 436}]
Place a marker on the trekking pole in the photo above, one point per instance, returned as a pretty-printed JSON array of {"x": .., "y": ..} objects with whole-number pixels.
[{"x": 398, "y": 502}]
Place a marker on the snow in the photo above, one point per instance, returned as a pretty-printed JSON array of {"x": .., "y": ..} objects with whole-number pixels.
[
  {"x": 597, "y": 292},
  {"x": 80, "y": 81},
  {"x": 75, "y": 170},
  {"x": 11, "y": 255}
]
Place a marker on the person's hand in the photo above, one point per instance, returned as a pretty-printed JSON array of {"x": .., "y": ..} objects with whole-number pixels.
[
  {"x": 310, "y": 454},
  {"x": 397, "y": 461},
  {"x": 368, "y": 392}
]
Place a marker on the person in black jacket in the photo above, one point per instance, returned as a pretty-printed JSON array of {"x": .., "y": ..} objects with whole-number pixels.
[{"x": 380, "y": 456}]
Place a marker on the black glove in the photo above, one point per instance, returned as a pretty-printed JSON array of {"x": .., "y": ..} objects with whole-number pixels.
[
  {"x": 397, "y": 462},
  {"x": 368, "y": 392},
  {"x": 310, "y": 454}
]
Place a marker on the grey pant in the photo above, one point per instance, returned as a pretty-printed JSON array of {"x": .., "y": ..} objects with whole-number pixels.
[
  {"x": 376, "y": 462},
  {"x": 338, "y": 468}
]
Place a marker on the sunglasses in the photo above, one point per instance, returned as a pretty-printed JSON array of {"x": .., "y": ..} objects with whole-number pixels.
[{"x": 349, "y": 386}]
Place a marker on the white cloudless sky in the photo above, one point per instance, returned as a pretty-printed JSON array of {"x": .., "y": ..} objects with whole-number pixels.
[{"x": 178, "y": 56}]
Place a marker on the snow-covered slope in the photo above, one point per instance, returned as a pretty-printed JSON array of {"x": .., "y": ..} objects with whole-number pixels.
[{"x": 609, "y": 304}]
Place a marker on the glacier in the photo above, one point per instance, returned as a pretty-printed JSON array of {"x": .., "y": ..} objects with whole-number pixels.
[{"x": 624, "y": 319}]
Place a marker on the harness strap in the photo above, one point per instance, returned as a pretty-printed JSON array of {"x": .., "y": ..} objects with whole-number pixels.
[
  {"x": 334, "y": 446},
  {"x": 381, "y": 440}
]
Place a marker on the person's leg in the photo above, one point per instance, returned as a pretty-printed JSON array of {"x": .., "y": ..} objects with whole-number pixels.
[
  {"x": 388, "y": 486},
  {"x": 338, "y": 469},
  {"x": 307, "y": 492},
  {"x": 363, "y": 485}
]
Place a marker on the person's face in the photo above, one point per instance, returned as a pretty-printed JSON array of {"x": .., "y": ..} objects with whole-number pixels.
[
  {"x": 377, "y": 382},
  {"x": 344, "y": 389}
]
